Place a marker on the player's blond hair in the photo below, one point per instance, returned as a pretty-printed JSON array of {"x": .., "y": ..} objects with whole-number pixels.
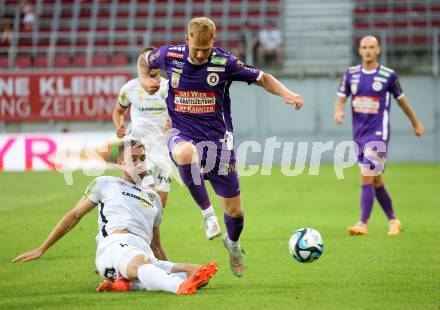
[{"x": 202, "y": 29}]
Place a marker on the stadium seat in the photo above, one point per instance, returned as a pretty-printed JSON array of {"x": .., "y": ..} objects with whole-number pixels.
[
  {"x": 119, "y": 60},
  {"x": 23, "y": 61},
  {"x": 3, "y": 61},
  {"x": 99, "y": 60},
  {"x": 40, "y": 61},
  {"x": 78, "y": 14},
  {"x": 79, "y": 61},
  {"x": 61, "y": 61}
]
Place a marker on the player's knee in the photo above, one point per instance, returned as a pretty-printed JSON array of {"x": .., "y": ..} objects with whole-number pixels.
[
  {"x": 234, "y": 208},
  {"x": 134, "y": 264},
  {"x": 377, "y": 181},
  {"x": 185, "y": 154}
]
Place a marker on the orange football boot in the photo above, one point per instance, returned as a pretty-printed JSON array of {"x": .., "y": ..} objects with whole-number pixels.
[
  {"x": 202, "y": 275},
  {"x": 120, "y": 285},
  {"x": 394, "y": 227},
  {"x": 358, "y": 229}
]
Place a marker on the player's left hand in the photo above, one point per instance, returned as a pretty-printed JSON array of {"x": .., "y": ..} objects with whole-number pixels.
[
  {"x": 27, "y": 256},
  {"x": 294, "y": 99},
  {"x": 418, "y": 129},
  {"x": 168, "y": 125}
]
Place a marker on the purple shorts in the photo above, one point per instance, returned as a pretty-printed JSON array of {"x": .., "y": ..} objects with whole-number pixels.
[
  {"x": 372, "y": 152},
  {"x": 220, "y": 165}
]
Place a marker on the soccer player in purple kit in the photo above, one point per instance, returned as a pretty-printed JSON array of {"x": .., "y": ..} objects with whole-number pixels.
[
  {"x": 200, "y": 109},
  {"x": 371, "y": 86}
]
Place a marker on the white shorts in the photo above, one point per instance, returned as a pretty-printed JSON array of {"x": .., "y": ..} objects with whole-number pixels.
[
  {"x": 115, "y": 252},
  {"x": 157, "y": 176}
]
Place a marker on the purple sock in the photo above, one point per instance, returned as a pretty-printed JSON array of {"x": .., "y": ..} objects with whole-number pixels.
[
  {"x": 385, "y": 202},
  {"x": 198, "y": 192},
  {"x": 367, "y": 201},
  {"x": 234, "y": 226}
]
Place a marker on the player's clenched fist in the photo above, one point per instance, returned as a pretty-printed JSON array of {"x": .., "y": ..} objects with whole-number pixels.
[
  {"x": 120, "y": 131},
  {"x": 294, "y": 99},
  {"x": 338, "y": 117},
  {"x": 419, "y": 130}
]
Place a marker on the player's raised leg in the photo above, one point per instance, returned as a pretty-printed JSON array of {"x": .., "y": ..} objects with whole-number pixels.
[
  {"x": 185, "y": 155},
  {"x": 386, "y": 203}
]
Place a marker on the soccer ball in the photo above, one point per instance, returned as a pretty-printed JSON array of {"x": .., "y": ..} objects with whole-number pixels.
[{"x": 306, "y": 245}]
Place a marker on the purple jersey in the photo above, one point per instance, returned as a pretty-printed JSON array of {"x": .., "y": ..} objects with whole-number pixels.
[
  {"x": 371, "y": 95},
  {"x": 198, "y": 99}
]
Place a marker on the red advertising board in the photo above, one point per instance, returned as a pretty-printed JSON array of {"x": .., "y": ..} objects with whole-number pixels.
[{"x": 78, "y": 95}]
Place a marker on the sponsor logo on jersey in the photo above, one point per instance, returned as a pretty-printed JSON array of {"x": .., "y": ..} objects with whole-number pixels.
[
  {"x": 175, "y": 55},
  {"x": 366, "y": 104},
  {"x": 245, "y": 67},
  {"x": 177, "y": 48},
  {"x": 142, "y": 199},
  {"x": 137, "y": 188},
  {"x": 151, "y": 196},
  {"x": 178, "y": 64},
  {"x": 194, "y": 102},
  {"x": 215, "y": 69},
  {"x": 384, "y": 73},
  {"x": 212, "y": 79},
  {"x": 153, "y": 56},
  {"x": 157, "y": 108},
  {"x": 175, "y": 79},
  {"x": 356, "y": 76},
  {"x": 354, "y": 69},
  {"x": 354, "y": 87},
  {"x": 177, "y": 70},
  {"x": 380, "y": 79},
  {"x": 217, "y": 60},
  {"x": 377, "y": 86}
]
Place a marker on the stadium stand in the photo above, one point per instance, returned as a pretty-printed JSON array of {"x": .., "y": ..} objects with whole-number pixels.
[
  {"x": 317, "y": 38},
  {"x": 409, "y": 30},
  {"x": 110, "y": 33}
]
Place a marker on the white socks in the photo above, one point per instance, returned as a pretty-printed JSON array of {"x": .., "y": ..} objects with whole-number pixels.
[
  {"x": 208, "y": 212},
  {"x": 153, "y": 278},
  {"x": 232, "y": 243}
]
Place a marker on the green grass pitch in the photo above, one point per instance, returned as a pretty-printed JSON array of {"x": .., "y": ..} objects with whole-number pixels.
[{"x": 368, "y": 272}]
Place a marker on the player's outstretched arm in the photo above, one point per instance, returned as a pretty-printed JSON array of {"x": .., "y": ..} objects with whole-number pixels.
[
  {"x": 272, "y": 85},
  {"x": 338, "y": 117},
  {"x": 156, "y": 246},
  {"x": 408, "y": 110},
  {"x": 69, "y": 220},
  {"x": 118, "y": 120}
]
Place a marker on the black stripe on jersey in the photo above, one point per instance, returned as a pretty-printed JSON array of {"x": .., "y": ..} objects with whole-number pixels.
[
  {"x": 122, "y": 105},
  {"x": 104, "y": 220}
]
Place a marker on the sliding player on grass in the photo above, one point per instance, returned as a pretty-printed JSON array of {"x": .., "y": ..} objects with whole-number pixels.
[
  {"x": 371, "y": 86},
  {"x": 128, "y": 241},
  {"x": 199, "y": 105}
]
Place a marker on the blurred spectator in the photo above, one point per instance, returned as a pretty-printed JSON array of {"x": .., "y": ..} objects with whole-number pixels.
[
  {"x": 28, "y": 15},
  {"x": 6, "y": 29},
  {"x": 271, "y": 41},
  {"x": 246, "y": 45}
]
